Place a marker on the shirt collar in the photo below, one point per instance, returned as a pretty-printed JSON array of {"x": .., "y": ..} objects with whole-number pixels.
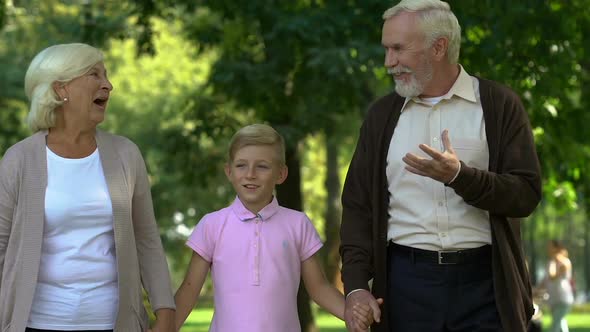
[
  {"x": 462, "y": 88},
  {"x": 246, "y": 215}
]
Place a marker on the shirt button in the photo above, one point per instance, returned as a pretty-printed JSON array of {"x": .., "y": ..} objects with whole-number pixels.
[
  {"x": 435, "y": 139},
  {"x": 440, "y": 204},
  {"x": 256, "y": 233}
]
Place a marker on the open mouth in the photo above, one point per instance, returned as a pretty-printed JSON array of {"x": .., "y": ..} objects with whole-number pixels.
[{"x": 102, "y": 102}]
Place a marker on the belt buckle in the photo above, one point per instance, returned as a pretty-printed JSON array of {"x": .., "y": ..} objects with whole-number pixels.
[{"x": 441, "y": 257}]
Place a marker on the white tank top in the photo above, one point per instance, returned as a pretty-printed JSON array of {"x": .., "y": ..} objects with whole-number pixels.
[{"x": 77, "y": 285}]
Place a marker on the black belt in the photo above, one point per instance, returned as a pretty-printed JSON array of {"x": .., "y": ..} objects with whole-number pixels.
[{"x": 445, "y": 257}]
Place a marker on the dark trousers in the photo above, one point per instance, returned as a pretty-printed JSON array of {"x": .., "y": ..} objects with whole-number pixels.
[
  {"x": 425, "y": 296},
  {"x": 38, "y": 330}
]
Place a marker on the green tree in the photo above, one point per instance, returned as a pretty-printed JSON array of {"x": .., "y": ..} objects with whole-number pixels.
[
  {"x": 160, "y": 101},
  {"x": 29, "y": 26},
  {"x": 2, "y": 13},
  {"x": 530, "y": 47}
]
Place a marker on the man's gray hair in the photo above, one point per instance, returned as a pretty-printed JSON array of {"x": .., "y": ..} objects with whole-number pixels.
[{"x": 436, "y": 20}]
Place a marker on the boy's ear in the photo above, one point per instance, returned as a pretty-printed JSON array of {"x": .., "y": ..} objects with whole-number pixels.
[
  {"x": 283, "y": 172},
  {"x": 227, "y": 170}
]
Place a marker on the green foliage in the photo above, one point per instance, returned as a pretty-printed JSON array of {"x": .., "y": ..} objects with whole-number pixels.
[
  {"x": 314, "y": 172},
  {"x": 188, "y": 73},
  {"x": 530, "y": 47},
  {"x": 162, "y": 103},
  {"x": 28, "y": 28},
  {"x": 300, "y": 65}
]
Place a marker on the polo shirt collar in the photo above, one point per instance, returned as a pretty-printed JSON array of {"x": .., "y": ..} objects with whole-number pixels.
[
  {"x": 462, "y": 88},
  {"x": 246, "y": 215}
]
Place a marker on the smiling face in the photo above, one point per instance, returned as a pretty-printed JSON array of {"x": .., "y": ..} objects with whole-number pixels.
[
  {"x": 254, "y": 172},
  {"x": 87, "y": 96},
  {"x": 406, "y": 56}
]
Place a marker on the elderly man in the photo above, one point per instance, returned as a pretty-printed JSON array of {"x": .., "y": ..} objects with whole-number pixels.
[{"x": 443, "y": 169}]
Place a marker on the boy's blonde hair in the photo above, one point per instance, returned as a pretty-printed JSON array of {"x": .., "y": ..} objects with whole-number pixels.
[{"x": 257, "y": 134}]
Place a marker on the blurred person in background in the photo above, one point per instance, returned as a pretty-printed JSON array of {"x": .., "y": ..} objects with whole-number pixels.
[{"x": 558, "y": 284}]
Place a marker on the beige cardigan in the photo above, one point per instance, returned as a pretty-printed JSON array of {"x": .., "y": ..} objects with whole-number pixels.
[{"x": 140, "y": 256}]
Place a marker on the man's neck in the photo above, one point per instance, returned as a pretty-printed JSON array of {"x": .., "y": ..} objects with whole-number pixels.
[{"x": 442, "y": 81}]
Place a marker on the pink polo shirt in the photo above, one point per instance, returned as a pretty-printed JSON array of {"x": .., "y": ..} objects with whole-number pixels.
[{"x": 256, "y": 265}]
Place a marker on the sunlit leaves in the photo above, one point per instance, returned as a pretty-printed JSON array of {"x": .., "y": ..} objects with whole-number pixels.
[
  {"x": 476, "y": 34},
  {"x": 562, "y": 195}
]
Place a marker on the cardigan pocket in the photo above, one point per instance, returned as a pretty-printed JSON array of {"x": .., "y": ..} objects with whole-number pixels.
[{"x": 142, "y": 318}]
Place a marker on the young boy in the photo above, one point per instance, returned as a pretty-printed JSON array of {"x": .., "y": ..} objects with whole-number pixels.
[{"x": 257, "y": 250}]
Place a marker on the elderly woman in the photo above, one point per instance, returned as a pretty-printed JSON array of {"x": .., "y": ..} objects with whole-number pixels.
[{"x": 78, "y": 237}]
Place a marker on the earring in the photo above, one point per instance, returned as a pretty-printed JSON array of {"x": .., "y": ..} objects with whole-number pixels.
[{"x": 65, "y": 99}]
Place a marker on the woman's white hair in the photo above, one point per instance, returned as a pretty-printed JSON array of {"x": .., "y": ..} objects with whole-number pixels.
[
  {"x": 58, "y": 63},
  {"x": 436, "y": 20}
]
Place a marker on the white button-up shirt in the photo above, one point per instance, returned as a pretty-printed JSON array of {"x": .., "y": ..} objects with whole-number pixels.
[{"x": 424, "y": 213}]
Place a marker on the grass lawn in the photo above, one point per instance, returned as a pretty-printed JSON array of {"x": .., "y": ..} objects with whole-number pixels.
[
  {"x": 577, "y": 321},
  {"x": 199, "y": 321}
]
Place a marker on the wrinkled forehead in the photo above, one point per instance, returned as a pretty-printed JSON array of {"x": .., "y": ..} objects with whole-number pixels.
[
  {"x": 403, "y": 28},
  {"x": 100, "y": 66}
]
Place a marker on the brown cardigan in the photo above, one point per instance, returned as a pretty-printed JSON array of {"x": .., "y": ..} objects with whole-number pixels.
[
  {"x": 508, "y": 190},
  {"x": 140, "y": 256}
]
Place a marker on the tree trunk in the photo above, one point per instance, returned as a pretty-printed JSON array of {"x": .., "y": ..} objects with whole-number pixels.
[
  {"x": 586, "y": 242},
  {"x": 531, "y": 229},
  {"x": 289, "y": 195},
  {"x": 88, "y": 23},
  {"x": 2, "y": 13},
  {"x": 331, "y": 257}
]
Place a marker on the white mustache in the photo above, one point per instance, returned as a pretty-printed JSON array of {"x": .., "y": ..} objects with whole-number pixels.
[{"x": 398, "y": 70}]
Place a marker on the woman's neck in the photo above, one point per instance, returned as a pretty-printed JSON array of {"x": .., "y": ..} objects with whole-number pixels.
[{"x": 71, "y": 143}]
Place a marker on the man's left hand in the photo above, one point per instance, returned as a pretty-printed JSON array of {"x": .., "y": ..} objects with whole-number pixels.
[{"x": 442, "y": 167}]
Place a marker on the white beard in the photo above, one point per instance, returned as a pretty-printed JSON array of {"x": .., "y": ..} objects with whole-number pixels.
[
  {"x": 410, "y": 89},
  {"x": 415, "y": 86}
]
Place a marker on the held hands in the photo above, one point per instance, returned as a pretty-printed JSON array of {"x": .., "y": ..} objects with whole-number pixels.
[
  {"x": 361, "y": 310},
  {"x": 364, "y": 316},
  {"x": 442, "y": 167},
  {"x": 162, "y": 327},
  {"x": 164, "y": 321}
]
